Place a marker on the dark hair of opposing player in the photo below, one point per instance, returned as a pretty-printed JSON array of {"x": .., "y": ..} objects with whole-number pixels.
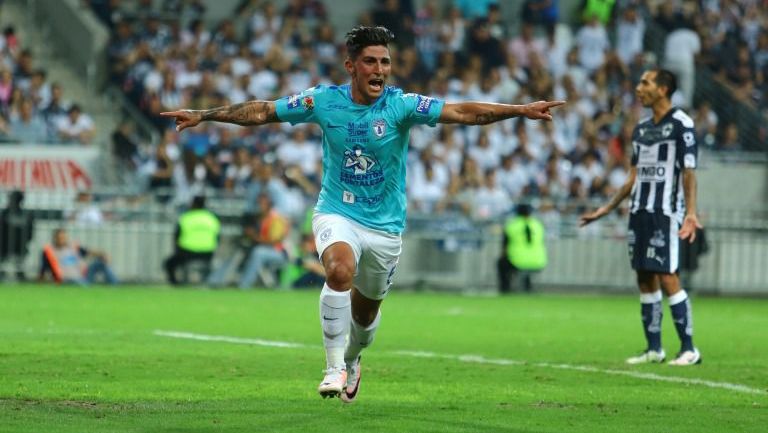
[
  {"x": 667, "y": 79},
  {"x": 363, "y": 36}
]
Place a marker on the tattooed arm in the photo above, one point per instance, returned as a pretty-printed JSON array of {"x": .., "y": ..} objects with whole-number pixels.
[
  {"x": 483, "y": 113},
  {"x": 249, "y": 113}
]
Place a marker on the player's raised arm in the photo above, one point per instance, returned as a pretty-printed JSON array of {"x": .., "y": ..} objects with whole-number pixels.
[
  {"x": 483, "y": 113},
  {"x": 620, "y": 195},
  {"x": 251, "y": 113}
]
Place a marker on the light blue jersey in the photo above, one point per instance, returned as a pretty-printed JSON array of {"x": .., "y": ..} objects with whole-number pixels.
[{"x": 364, "y": 149}]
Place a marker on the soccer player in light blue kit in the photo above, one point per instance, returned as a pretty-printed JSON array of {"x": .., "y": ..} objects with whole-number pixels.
[{"x": 360, "y": 213}]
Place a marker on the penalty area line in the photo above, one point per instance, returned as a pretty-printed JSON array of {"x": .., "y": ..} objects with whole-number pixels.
[{"x": 475, "y": 359}]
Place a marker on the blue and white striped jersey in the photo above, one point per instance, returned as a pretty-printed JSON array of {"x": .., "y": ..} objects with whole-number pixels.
[{"x": 660, "y": 152}]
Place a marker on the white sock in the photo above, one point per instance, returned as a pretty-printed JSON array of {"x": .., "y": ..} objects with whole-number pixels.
[
  {"x": 335, "y": 315},
  {"x": 360, "y": 337}
]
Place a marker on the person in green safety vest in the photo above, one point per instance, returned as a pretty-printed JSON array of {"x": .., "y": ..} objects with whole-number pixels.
[
  {"x": 196, "y": 238},
  {"x": 523, "y": 250}
]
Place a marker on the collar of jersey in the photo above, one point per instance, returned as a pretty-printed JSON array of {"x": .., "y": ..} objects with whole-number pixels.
[{"x": 348, "y": 93}]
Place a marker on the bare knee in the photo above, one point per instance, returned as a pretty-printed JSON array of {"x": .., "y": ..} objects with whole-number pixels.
[
  {"x": 364, "y": 318},
  {"x": 339, "y": 274}
]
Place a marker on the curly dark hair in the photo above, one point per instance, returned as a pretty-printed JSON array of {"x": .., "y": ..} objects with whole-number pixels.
[{"x": 363, "y": 36}]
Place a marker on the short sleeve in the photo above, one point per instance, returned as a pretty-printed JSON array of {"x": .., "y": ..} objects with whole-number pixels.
[
  {"x": 635, "y": 150},
  {"x": 688, "y": 147},
  {"x": 299, "y": 108},
  {"x": 419, "y": 109}
]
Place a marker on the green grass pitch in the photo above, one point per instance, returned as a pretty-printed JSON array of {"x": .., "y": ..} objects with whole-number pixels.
[{"x": 91, "y": 360}]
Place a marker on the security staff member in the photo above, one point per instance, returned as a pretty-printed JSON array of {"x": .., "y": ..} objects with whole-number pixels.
[
  {"x": 196, "y": 238},
  {"x": 523, "y": 249}
]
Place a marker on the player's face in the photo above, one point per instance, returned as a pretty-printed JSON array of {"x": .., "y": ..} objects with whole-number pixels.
[
  {"x": 369, "y": 72},
  {"x": 647, "y": 91}
]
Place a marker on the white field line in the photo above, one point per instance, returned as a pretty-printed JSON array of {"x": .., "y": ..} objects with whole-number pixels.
[{"x": 476, "y": 359}]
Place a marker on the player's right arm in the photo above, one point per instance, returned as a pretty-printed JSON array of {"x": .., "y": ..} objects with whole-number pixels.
[
  {"x": 250, "y": 113},
  {"x": 620, "y": 195}
]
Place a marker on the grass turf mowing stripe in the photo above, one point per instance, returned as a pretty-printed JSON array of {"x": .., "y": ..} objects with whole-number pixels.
[{"x": 474, "y": 359}]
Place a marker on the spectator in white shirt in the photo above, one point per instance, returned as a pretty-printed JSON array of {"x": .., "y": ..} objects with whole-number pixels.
[
  {"x": 299, "y": 151},
  {"x": 75, "y": 127},
  {"x": 592, "y": 41},
  {"x": 630, "y": 30}
]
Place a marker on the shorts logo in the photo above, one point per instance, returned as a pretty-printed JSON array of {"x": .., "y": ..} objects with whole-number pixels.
[
  {"x": 325, "y": 235},
  {"x": 658, "y": 239},
  {"x": 379, "y": 127},
  {"x": 293, "y": 102},
  {"x": 308, "y": 103},
  {"x": 423, "y": 103},
  {"x": 651, "y": 254}
]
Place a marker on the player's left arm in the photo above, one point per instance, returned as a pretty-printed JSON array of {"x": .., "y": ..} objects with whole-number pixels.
[
  {"x": 689, "y": 151},
  {"x": 691, "y": 221},
  {"x": 483, "y": 113}
]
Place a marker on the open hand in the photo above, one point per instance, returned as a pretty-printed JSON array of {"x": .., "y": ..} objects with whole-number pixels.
[
  {"x": 184, "y": 118},
  {"x": 688, "y": 230},
  {"x": 539, "y": 110}
]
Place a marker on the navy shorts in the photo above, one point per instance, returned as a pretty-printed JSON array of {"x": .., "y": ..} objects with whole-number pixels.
[{"x": 653, "y": 242}]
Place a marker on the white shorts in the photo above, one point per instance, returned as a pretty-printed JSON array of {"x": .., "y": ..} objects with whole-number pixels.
[{"x": 376, "y": 252}]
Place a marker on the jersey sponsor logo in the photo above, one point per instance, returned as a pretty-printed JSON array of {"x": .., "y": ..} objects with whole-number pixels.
[
  {"x": 348, "y": 197},
  {"x": 379, "y": 127},
  {"x": 308, "y": 103},
  {"x": 658, "y": 239},
  {"x": 423, "y": 103},
  {"x": 689, "y": 161},
  {"x": 666, "y": 129},
  {"x": 651, "y": 173},
  {"x": 357, "y": 133},
  {"x": 360, "y": 168},
  {"x": 293, "y": 102}
]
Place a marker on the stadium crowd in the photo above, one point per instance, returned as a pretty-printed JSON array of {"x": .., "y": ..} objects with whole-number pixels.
[
  {"x": 164, "y": 56},
  {"x": 32, "y": 108}
]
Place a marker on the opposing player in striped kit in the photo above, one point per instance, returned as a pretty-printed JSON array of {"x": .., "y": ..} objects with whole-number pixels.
[{"x": 662, "y": 184}]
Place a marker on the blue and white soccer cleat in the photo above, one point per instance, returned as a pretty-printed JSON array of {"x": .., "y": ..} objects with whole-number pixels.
[
  {"x": 688, "y": 357},
  {"x": 648, "y": 357},
  {"x": 353, "y": 381},
  {"x": 333, "y": 383}
]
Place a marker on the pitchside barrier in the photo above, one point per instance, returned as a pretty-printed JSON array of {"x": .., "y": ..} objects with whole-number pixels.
[{"x": 446, "y": 253}]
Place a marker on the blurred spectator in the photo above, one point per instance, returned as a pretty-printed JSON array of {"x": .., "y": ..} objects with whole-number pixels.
[
  {"x": 630, "y": 31},
  {"x": 125, "y": 146},
  {"x": 85, "y": 213},
  {"x": 681, "y": 47},
  {"x": 730, "y": 140},
  {"x": 268, "y": 254},
  {"x": 523, "y": 250},
  {"x": 68, "y": 262},
  {"x": 28, "y": 126},
  {"x": 75, "y": 127},
  {"x": 592, "y": 42},
  {"x": 306, "y": 270},
  {"x": 17, "y": 226},
  {"x": 195, "y": 240},
  {"x": 542, "y": 13}
]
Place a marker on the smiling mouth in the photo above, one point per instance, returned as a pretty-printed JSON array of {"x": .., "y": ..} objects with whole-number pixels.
[{"x": 376, "y": 84}]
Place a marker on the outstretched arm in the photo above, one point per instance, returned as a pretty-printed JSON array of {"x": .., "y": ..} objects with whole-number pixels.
[
  {"x": 483, "y": 113},
  {"x": 249, "y": 113},
  {"x": 620, "y": 195}
]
